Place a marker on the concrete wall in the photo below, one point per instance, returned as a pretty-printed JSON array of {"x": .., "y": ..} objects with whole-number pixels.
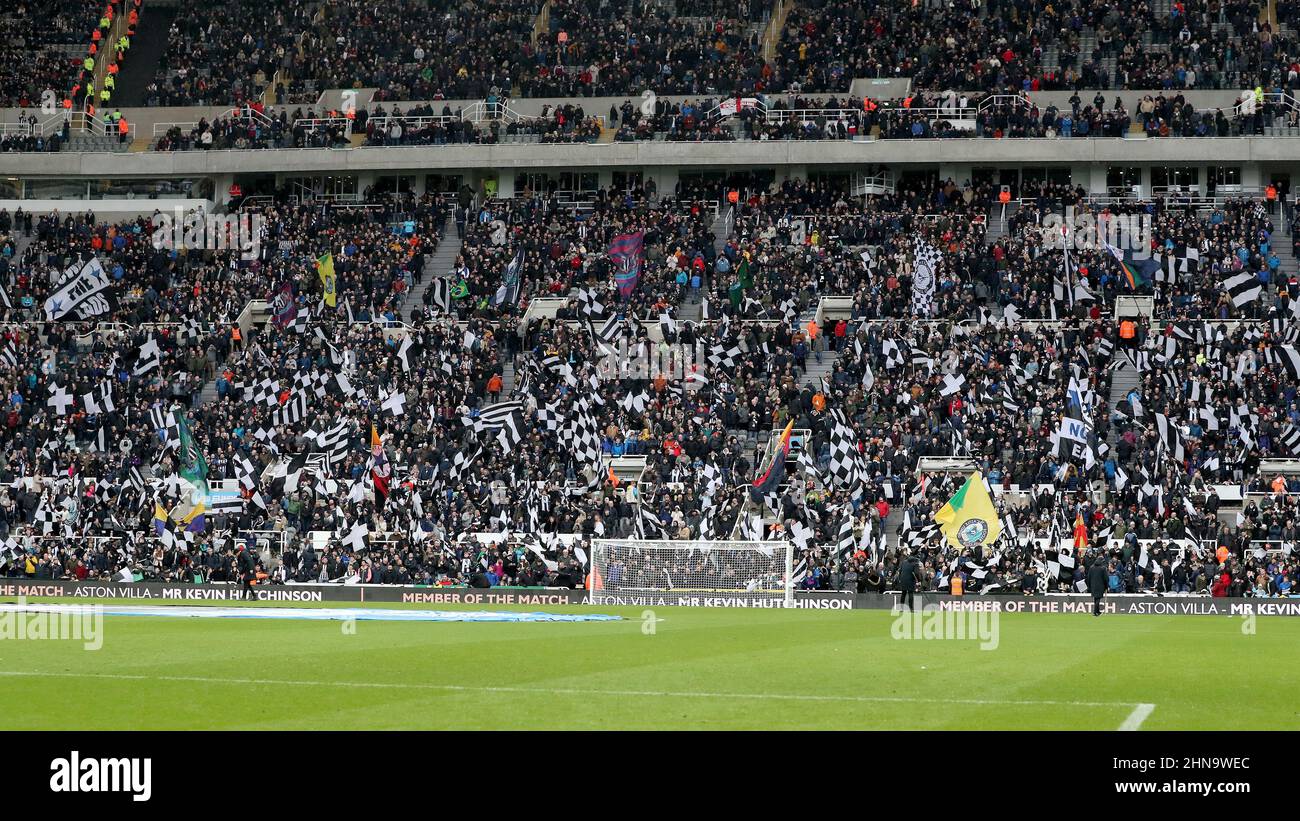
[
  {"x": 107, "y": 210},
  {"x": 418, "y": 159}
]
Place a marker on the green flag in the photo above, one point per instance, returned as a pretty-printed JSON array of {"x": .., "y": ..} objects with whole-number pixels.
[
  {"x": 194, "y": 468},
  {"x": 734, "y": 293},
  {"x": 743, "y": 272}
]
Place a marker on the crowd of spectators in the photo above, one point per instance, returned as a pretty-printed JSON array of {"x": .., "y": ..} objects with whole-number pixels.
[
  {"x": 583, "y": 48},
  {"x": 41, "y": 33},
  {"x": 228, "y": 54},
  {"x": 1037, "y": 45},
  {"x": 254, "y": 126},
  {"x": 419, "y": 126},
  {"x": 970, "y": 384},
  {"x": 1238, "y": 235}
]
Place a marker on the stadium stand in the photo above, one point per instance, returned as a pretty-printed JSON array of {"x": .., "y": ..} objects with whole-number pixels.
[{"x": 432, "y": 327}]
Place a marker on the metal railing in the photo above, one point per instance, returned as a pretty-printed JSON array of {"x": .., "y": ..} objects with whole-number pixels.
[
  {"x": 805, "y": 115},
  {"x": 483, "y": 111},
  {"x": 43, "y": 128},
  {"x": 408, "y": 122},
  {"x": 323, "y": 122}
]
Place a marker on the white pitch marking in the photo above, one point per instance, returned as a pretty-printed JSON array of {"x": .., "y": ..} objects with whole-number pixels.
[
  {"x": 1135, "y": 718},
  {"x": 572, "y": 690}
]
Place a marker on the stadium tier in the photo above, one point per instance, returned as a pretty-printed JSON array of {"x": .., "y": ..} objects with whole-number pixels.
[{"x": 496, "y": 294}]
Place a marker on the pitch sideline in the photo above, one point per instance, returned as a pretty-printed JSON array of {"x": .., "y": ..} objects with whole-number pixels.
[{"x": 1136, "y": 717}]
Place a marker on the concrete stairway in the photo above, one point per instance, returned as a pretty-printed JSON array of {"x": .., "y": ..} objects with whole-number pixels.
[
  {"x": 209, "y": 393},
  {"x": 816, "y": 370},
  {"x": 21, "y": 243},
  {"x": 722, "y": 228},
  {"x": 1122, "y": 381},
  {"x": 1281, "y": 241},
  {"x": 691, "y": 308},
  {"x": 893, "y": 521},
  {"x": 146, "y": 53},
  {"x": 997, "y": 224},
  {"x": 438, "y": 265}
]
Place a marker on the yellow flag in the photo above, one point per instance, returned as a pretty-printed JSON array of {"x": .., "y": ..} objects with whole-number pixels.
[
  {"x": 325, "y": 268},
  {"x": 969, "y": 519}
]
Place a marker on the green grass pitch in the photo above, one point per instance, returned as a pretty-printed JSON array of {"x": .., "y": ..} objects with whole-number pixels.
[{"x": 697, "y": 669}]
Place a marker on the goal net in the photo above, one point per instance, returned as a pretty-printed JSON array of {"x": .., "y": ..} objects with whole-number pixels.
[{"x": 634, "y": 570}]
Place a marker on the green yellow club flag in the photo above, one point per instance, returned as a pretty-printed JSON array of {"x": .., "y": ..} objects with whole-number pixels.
[
  {"x": 325, "y": 270},
  {"x": 969, "y": 519}
]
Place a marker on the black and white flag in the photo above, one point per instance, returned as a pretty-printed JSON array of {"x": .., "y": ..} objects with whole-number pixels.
[
  {"x": 147, "y": 358},
  {"x": 100, "y": 399},
  {"x": 1243, "y": 288},
  {"x": 1172, "y": 440},
  {"x": 924, "y": 275},
  {"x": 83, "y": 293}
]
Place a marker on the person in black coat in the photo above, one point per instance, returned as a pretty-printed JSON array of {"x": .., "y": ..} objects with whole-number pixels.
[
  {"x": 907, "y": 575},
  {"x": 1097, "y": 581}
]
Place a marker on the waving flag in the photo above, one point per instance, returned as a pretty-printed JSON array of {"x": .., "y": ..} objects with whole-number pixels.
[
  {"x": 1080, "y": 534},
  {"x": 283, "y": 308},
  {"x": 1133, "y": 275},
  {"x": 380, "y": 470},
  {"x": 193, "y": 469},
  {"x": 969, "y": 519},
  {"x": 325, "y": 269},
  {"x": 774, "y": 471},
  {"x": 509, "y": 291},
  {"x": 626, "y": 252},
  {"x": 83, "y": 292}
]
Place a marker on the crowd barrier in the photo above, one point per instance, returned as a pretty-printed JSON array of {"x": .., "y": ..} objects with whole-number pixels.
[{"x": 1122, "y": 604}]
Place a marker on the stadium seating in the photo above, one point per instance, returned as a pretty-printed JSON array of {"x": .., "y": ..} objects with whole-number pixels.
[{"x": 600, "y": 358}]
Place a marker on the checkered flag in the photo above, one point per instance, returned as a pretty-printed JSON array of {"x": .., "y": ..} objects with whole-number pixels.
[
  {"x": 925, "y": 273},
  {"x": 300, "y": 320},
  {"x": 893, "y": 352},
  {"x": 550, "y": 418},
  {"x": 916, "y": 536},
  {"x": 846, "y": 468},
  {"x": 589, "y": 304},
  {"x": 266, "y": 392},
  {"x": 190, "y": 331}
]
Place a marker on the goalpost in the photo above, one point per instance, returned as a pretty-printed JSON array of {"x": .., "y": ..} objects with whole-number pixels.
[{"x": 746, "y": 570}]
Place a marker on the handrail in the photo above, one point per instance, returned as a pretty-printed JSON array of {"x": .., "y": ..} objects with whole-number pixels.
[
  {"x": 542, "y": 25},
  {"x": 775, "y": 27},
  {"x": 407, "y": 121},
  {"x": 161, "y": 129},
  {"x": 318, "y": 122},
  {"x": 98, "y": 125},
  {"x": 484, "y": 111},
  {"x": 806, "y": 114},
  {"x": 43, "y": 127},
  {"x": 1285, "y": 99}
]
